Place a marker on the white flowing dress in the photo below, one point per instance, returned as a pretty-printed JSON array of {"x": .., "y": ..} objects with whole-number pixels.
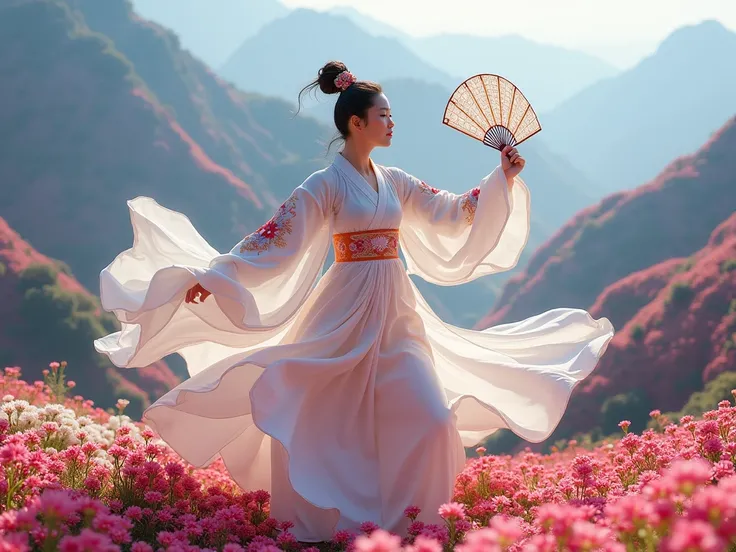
[{"x": 343, "y": 393}]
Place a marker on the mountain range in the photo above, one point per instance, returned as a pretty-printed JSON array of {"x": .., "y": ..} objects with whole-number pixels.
[
  {"x": 215, "y": 31},
  {"x": 660, "y": 262},
  {"x": 101, "y": 105},
  {"x": 624, "y": 130},
  {"x": 193, "y": 21}
]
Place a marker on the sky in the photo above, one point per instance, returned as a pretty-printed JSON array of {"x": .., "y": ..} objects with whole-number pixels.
[{"x": 619, "y": 31}]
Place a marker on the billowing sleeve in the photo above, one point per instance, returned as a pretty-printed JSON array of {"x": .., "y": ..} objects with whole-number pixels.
[
  {"x": 256, "y": 287},
  {"x": 450, "y": 239}
]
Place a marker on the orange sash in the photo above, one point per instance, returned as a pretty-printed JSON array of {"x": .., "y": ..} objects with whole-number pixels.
[{"x": 367, "y": 245}]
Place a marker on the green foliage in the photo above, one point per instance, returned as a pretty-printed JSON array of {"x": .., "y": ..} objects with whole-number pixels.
[
  {"x": 633, "y": 406},
  {"x": 716, "y": 390},
  {"x": 680, "y": 295},
  {"x": 685, "y": 266},
  {"x": 729, "y": 344},
  {"x": 638, "y": 333},
  {"x": 63, "y": 324},
  {"x": 64, "y": 268},
  {"x": 37, "y": 275},
  {"x": 3, "y": 269},
  {"x": 728, "y": 266},
  {"x": 500, "y": 442}
]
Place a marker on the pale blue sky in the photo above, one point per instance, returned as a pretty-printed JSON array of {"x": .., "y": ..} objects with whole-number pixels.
[{"x": 609, "y": 28}]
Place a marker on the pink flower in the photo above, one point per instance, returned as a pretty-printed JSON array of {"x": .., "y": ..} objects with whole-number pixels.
[
  {"x": 693, "y": 535},
  {"x": 508, "y": 529},
  {"x": 452, "y": 511},
  {"x": 344, "y": 80},
  {"x": 687, "y": 475},
  {"x": 424, "y": 544},
  {"x": 87, "y": 541},
  {"x": 378, "y": 541},
  {"x": 625, "y": 425},
  {"x": 412, "y": 512},
  {"x": 368, "y": 527}
]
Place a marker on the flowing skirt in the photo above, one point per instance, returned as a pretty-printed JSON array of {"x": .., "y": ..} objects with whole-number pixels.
[{"x": 356, "y": 407}]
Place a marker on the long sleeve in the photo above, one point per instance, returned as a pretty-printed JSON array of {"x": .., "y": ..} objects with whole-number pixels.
[
  {"x": 256, "y": 287},
  {"x": 450, "y": 239}
]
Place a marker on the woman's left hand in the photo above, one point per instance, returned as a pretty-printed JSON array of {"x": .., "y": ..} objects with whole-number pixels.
[{"x": 511, "y": 162}]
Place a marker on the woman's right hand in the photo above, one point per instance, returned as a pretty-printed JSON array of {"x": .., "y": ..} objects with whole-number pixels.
[{"x": 195, "y": 290}]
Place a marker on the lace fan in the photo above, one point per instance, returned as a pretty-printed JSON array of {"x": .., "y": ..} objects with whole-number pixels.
[{"x": 492, "y": 110}]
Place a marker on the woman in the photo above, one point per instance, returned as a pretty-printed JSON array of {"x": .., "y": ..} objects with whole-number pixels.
[{"x": 351, "y": 400}]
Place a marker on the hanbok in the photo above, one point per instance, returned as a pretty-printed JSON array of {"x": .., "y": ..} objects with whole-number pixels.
[{"x": 342, "y": 393}]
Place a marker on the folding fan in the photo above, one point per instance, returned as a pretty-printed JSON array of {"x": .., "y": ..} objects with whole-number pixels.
[{"x": 492, "y": 110}]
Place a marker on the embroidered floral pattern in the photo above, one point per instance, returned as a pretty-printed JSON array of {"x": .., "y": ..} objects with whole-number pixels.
[
  {"x": 427, "y": 189},
  {"x": 469, "y": 203},
  {"x": 365, "y": 246},
  {"x": 272, "y": 232}
]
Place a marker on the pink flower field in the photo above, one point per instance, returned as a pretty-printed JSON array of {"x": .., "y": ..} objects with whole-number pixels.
[{"x": 76, "y": 478}]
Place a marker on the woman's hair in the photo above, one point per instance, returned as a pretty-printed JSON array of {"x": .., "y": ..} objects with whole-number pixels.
[{"x": 356, "y": 99}]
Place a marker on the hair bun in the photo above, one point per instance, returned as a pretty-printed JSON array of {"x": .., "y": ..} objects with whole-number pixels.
[{"x": 328, "y": 74}]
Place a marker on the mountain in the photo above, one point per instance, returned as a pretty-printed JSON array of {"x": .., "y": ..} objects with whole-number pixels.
[
  {"x": 106, "y": 107},
  {"x": 659, "y": 262},
  {"x": 211, "y": 31},
  {"x": 49, "y": 316},
  {"x": 99, "y": 107},
  {"x": 269, "y": 63},
  {"x": 371, "y": 25},
  {"x": 681, "y": 336},
  {"x": 546, "y": 74},
  {"x": 625, "y": 129},
  {"x": 670, "y": 217}
]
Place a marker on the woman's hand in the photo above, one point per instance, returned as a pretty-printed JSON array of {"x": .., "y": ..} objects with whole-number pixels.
[
  {"x": 511, "y": 162},
  {"x": 194, "y": 291}
]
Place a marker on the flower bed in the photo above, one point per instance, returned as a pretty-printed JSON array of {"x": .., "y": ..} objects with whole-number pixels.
[{"x": 76, "y": 478}]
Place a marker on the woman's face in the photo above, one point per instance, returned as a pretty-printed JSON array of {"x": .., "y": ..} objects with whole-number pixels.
[{"x": 376, "y": 129}]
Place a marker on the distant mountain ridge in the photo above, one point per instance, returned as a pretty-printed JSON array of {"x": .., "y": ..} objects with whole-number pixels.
[
  {"x": 670, "y": 217},
  {"x": 194, "y": 21},
  {"x": 625, "y": 129},
  {"x": 104, "y": 108},
  {"x": 329, "y": 37},
  {"x": 546, "y": 74}
]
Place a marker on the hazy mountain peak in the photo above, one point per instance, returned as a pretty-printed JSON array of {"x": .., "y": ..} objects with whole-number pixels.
[
  {"x": 211, "y": 30},
  {"x": 368, "y": 23},
  {"x": 698, "y": 37}
]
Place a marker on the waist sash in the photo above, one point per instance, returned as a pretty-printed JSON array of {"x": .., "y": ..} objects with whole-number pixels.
[{"x": 367, "y": 245}]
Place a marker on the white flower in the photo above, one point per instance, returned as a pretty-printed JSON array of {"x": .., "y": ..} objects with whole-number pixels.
[
  {"x": 379, "y": 243},
  {"x": 8, "y": 398}
]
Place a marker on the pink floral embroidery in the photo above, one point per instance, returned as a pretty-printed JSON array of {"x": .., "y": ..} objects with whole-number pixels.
[
  {"x": 274, "y": 231},
  {"x": 469, "y": 203},
  {"x": 427, "y": 189}
]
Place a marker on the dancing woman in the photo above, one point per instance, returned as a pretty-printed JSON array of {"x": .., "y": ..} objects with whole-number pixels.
[{"x": 344, "y": 394}]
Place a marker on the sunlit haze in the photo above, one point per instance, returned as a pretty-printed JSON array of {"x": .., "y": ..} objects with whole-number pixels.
[{"x": 614, "y": 30}]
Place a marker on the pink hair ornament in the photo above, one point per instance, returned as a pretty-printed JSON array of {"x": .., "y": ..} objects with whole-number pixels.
[{"x": 344, "y": 80}]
